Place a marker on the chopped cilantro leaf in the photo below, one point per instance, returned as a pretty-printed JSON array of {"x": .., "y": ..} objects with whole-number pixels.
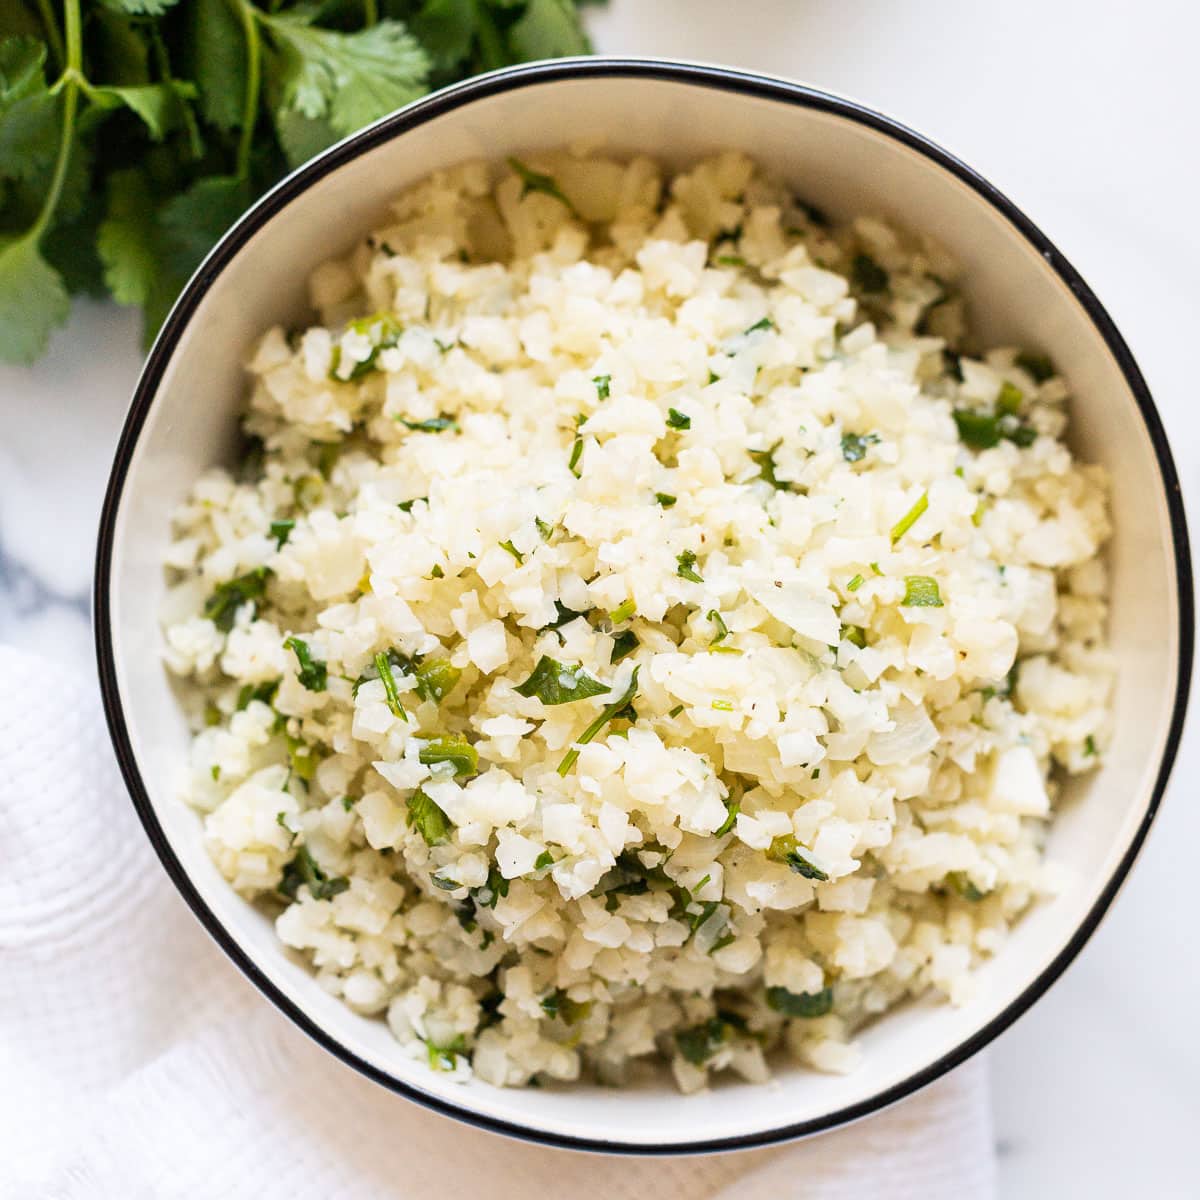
[
  {"x": 686, "y": 568},
  {"x": 1037, "y": 365},
  {"x": 431, "y": 424},
  {"x": 603, "y": 383},
  {"x": 731, "y": 814},
  {"x": 855, "y": 445},
  {"x": 807, "y": 1005},
  {"x": 615, "y": 709},
  {"x": 313, "y": 672},
  {"x": 678, "y": 420},
  {"x": 961, "y": 882},
  {"x": 428, "y": 819},
  {"x": 535, "y": 181},
  {"x": 624, "y": 644},
  {"x": 760, "y": 325},
  {"x": 263, "y": 692},
  {"x": 867, "y": 275},
  {"x": 384, "y": 667},
  {"x": 787, "y": 850},
  {"x": 553, "y": 682},
  {"x": 222, "y": 606},
  {"x": 854, "y": 584},
  {"x": 507, "y": 545},
  {"x": 303, "y": 871},
  {"x": 281, "y": 531},
  {"x": 664, "y": 499}
]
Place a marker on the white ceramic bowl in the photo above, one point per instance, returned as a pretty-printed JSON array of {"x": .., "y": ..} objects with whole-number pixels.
[{"x": 848, "y": 161}]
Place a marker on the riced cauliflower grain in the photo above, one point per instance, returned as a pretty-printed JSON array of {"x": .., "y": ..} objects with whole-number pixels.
[{"x": 646, "y": 633}]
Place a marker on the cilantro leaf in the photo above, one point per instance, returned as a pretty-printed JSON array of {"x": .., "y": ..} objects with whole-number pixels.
[
  {"x": 33, "y": 301},
  {"x": 222, "y": 606},
  {"x": 160, "y": 105},
  {"x": 313, "y": 673},
  {"x": 140, "y": 8},
  {"x": 304, "y": 871},
  {"x": 218, "y": 61},
  {"x": 548, "y": 29},
  {"x": 350, "y": 78},
  {"x": 558, "y": 683}
]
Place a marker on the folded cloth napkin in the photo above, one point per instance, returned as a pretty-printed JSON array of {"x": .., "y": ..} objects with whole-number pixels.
[{"x": 138, "y": 1063}]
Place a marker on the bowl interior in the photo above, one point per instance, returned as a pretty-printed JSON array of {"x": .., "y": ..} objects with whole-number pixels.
[{"x": 845, "y": 165}]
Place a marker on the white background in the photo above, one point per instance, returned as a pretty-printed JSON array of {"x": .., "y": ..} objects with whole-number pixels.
[{"x": 1086, "y": 115}]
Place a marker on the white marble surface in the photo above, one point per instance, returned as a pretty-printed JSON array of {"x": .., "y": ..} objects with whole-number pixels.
[{"x": 1085, "y": 114}]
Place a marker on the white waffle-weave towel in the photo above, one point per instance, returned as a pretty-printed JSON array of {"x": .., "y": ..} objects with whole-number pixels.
[{"x": 138, "y": 1064}]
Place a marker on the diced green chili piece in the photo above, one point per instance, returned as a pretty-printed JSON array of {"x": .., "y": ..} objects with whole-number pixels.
[{"x": 453, "y": 749}]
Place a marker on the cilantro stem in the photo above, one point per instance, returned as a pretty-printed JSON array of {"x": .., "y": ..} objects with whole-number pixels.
[
  {"x": 70, "y": 80},
  {"x": 50, "y": 24},
  {"x": 491, "y": 49},
  {"x": 370, "y": 12},
  {"x": 253, "y": 77}
]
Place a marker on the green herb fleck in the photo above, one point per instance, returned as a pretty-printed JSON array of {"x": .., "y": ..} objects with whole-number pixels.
[
  {"x": 807, "y": 1005},
  {"x": 428, "y": 819},
  {"x": 787, "y": 850},
  {"x": 664, "y": 499},
  {"x": 731, "y": 814},
  {"x": 603, "y": 384},
  {"x": 910, "y": 518},
  {"x": 445, "y": 1058},
  {"x": 686, "y": 568},
  {"x": 854, "y": 584},
  {"x": 612, "y": 711},
  {"x": 699, "y": 1043},
  {"x": 281, "y": 531},
  {"x": 921, "y": 591},
  {"x": 303, "y": 871},
  {"x": 384, "y": 667},
  {"x": 557, "y": 683},
  {"x": 496, "y": 887},
  {"x": 678, "y": 420},
  {"x": 1037, "y": 365},
  {"x": 1089, "y": 746},
  {"x": 624, "y": 644},
  {"x": 507, "y": 545},
  {"x": 312, "y": 673},
  {"x": 576, "y": 455},
  {"x": 263, "y": 692},
  {"x": 723, "y": 705},
  {"x": 856, "y": 635},
  {"x": 222, "y": 606},
  {"x": 760, "y": 325},
  {"x": 431, "y": 424},
  {"x": 867, "y": 275},
  {"x": 855, "y": 445},
  {"x": 535, "y": 181},
  {"x": 961, "y": 882}
]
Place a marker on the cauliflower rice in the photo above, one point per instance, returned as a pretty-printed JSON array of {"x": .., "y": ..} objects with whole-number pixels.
[{"x": 643, "y": 632}]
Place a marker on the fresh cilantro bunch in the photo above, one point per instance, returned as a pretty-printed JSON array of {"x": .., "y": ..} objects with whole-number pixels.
[{"x": 134, "y": 132}]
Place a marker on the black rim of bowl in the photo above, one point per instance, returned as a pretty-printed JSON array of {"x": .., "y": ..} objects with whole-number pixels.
[{"x": 721, "y": 79}]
